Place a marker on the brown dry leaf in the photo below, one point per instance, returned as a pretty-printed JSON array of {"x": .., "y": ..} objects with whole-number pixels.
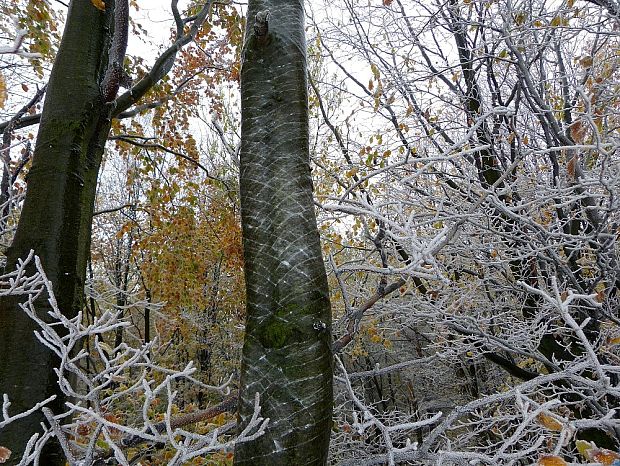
[
  {"x": 570, "y": 167},
  {"x": 99, "y": 4},
  {"x": 549, "y": 422},
  {"x": 5, "y": 454},
  {"x": 551, "y": 460},
  {"x": 578, "y": 131},
  {"x": 586, "y": 62},
  {"x": 83, "y": 430}
]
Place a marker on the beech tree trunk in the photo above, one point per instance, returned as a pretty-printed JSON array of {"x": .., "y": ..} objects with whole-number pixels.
[
  {"x": 287, "y": 356},
  {"x": 57, "y": 214}
]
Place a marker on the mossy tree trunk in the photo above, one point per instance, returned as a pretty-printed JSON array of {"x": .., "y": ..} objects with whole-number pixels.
[
  {"x": 57, "y": 214},
  {"x": 287, "y": 355}
]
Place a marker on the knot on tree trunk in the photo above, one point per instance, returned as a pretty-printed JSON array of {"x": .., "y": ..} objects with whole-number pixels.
[{"x": 261, "y": 24}]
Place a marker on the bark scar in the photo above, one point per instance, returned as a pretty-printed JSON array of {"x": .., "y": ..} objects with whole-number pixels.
[
  {"x": 261, "y": 25},
  {"x": 115, "y": 75}
]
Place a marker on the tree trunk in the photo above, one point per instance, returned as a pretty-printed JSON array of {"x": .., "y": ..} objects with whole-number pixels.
[
  {"x": 57, "y": 213},
  {"x": 287, "y": 355}
]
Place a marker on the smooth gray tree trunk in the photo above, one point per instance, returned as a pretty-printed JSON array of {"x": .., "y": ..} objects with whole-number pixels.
[
  {"x": 56, "y": 216},
  {"x": 287, "y": 356}
]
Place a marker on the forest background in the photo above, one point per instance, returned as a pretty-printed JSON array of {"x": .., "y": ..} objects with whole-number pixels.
[{"x": 464, "y": 157}]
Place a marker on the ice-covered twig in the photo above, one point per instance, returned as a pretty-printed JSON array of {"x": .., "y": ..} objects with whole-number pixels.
[
  {"x": 16, "y": 47},
  {"x": 96, "y": 395}
]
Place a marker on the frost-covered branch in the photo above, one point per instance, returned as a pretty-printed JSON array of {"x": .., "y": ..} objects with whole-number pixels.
[{"x": 127, "y": 376}]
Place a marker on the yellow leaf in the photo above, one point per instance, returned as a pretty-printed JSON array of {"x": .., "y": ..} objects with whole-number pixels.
[
  {"x": 551, "y": 460},
  {"x": 549, "y": 422},
  {"x": 555, "y": 22},
  {"x": 99, "y": 4},
  {"x": 3, "y": 92},
  {"x": 583, "y": 447},
  {"x": 375, "y": 70}
]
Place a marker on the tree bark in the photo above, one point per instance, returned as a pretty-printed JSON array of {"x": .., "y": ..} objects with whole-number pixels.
[
  {"x": 56, "y": 216},
  {"x": 287, "y": 357}
]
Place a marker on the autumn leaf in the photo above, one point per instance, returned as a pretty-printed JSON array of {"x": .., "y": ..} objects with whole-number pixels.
[
  {"x": 5, "y": 454},
  {"x": 83, "y": 430},
  {"x": 551, "y": 460},
  {"x": 549, "y": 422},
  {"x": 3, "y": 92},
  {"x": 375, "y": 71},
  {"x": 591, "y": 452},
  {"x": 604, "y": 456},
  {"x": 99, "y": 4},
  {"x": 577, "y": 131},
  {"x": 387, "y": 2},
  {"x": 571, "y": 166},
  {"x": 586, "y": 62}
]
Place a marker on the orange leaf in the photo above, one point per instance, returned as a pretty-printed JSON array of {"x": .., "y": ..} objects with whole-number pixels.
[
  {"x": 5, "y": 454},
  {"x": 551, "y": 460},
  {"x": 604, "y": 456},
  {"x": 549, "y": 422},
  {"x": 99, "y": 4}
]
